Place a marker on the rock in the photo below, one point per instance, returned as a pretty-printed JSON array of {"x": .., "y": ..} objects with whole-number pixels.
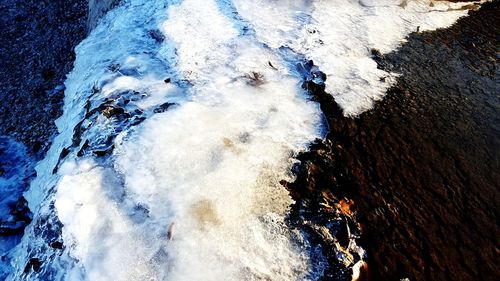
[
  {"x": 103, "y": 152},
  {"x": 156, "y": 35},
  {"x": 254, "y": 79},
  {"x": 97, "y": 9},
  {"x": 314, "y": 79},
  {"x": 110, "y": 111},
  {"x": 33, "y": 99},
  {"x": 57, "y": 245},
  {"x": 313, "y": 86},
  {"x": 422, "y": 165},
  {"x": 164, "y": 107},
  {"x": 34, "y": 264}
]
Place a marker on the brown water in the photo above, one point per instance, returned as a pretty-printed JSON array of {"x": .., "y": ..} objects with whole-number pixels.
[{"x": 422, "y": 167}]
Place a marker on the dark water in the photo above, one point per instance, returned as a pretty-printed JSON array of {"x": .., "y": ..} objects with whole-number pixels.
[{"x": 422, "y": 167}]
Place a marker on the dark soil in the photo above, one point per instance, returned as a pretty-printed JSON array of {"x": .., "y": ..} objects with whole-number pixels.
[
  {"x": 37, "y": 51},
  {"x": 423, "y": 167}
]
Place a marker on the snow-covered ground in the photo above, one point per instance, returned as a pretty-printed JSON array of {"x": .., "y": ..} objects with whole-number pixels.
[{"x": 192, "y": 192}]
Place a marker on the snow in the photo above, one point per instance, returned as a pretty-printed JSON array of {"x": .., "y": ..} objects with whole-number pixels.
[{"x": 339, "y": 35}]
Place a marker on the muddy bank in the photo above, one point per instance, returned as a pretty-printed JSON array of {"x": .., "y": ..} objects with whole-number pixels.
[{"x": 422, "y": 167}]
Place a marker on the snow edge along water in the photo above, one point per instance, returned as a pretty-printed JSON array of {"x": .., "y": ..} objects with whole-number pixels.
[{"x": 123, "y": 75}]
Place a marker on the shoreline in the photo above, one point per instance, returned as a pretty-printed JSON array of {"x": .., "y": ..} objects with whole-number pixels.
[
  {"x": 420, "y": 167},
  {"x": 403, "y": 170}
]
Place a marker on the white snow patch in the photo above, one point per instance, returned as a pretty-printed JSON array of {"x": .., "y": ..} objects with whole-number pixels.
[{"x": 339, "y": 35}]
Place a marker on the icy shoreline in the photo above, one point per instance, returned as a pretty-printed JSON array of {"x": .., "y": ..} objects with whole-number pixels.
[{"x": 125, "y": 90}]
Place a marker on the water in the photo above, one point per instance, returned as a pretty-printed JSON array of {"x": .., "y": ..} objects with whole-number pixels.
[
  {"x": 16, "y": 168},
  {"x": 191, "y": 192}
]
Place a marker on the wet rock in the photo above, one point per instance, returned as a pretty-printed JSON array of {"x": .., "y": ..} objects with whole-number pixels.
[
  {"x": 103, "y": 152},
  {"x": 85, "y": 146},
  {"x": 37, "y": 51},
  {"x": 20, "y": 211},
  {"x": 312, "y": 86},
  {"x": 314, "y": 79},
  {"x": 114, "y": 67},
  {"x": 110, "y": 111},
  {"x": 34, "y": 264},
  {"x": 254, "y": 79},
  {"x": 272, "y": 66},
  {"x": 57, "y": 245},
  {"x": 156, "y": 35},
  {"x": 164, "y": 107},
  {"x": 376, "y": 55},
  {"x": 136, "y": 120},
  {"x": 97, "y": 9},
  {"x": 19, "y": 217}
]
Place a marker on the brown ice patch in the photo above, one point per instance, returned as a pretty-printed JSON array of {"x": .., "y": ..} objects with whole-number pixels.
[
  {"x": 229, "y": 144},
  {"x": 204, "y": 212}
]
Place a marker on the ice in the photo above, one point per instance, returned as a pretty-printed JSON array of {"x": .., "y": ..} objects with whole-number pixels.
[
  {"x": 192, "y": 192},
  {"x": 339, "y": 35}
]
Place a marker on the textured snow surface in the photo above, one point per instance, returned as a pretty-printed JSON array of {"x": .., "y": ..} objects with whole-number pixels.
[{"x": 193, "y": 193}]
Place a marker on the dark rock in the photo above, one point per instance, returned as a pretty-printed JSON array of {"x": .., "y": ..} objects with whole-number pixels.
[
  {"x": 376, "y": 55},
  {"x": 97, "y": 9},
  {"x": 164, "y": 107},
  {"x": 114, "y": 67},
  {"x": 20, "y": 217},
  {"x": 314, "y": 79},
  {"x": 103, "y": 152},
  {"x": 81, "y": 152},
  {"x": 110, "y": 111},
  {"x": 57, "y": 245},
  {"x": 254, "y": 79},
  {"x": 312, "y": 86},
  {"x": 157, "y": 36},
  {"x": 272, "y": 66},
  {"x": 20, "y": 211},
  {"x": 64, "y": 153},
  {"x": 136, "y": 120},
  {"x": 34, "y": 264}
]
